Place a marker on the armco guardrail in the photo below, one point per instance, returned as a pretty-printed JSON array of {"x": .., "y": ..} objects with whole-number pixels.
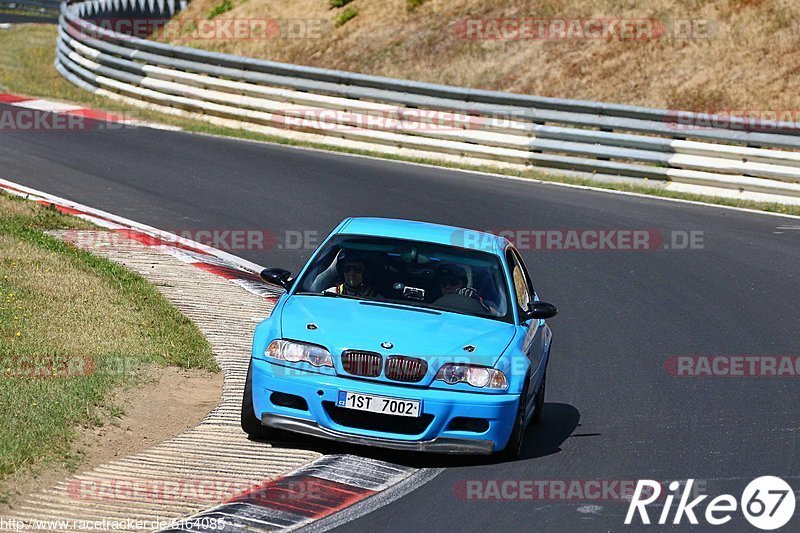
[{"x": 430, "y": 120}]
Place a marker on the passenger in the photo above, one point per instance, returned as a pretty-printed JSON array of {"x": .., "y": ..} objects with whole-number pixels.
[{"x": 451, "y": 278}]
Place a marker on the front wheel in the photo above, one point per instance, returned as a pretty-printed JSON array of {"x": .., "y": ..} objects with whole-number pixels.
[
  {"x": 251, "y": 424},
  {"x": 538, "y": 412},
  {"x": 513, "y": 449}
]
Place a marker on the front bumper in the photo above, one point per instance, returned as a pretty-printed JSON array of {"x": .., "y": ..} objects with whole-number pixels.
[
  {"x": 439, "y": 406},
  {"x": 437, "y": 445}
]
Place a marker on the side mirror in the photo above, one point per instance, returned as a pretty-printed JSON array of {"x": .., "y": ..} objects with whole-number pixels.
[
  {"x": 541, "y": 310},
  {"x": 278, "y": 276}
]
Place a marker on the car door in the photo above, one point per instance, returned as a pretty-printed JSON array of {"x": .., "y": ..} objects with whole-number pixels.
[{"x": 537, "y": 335}]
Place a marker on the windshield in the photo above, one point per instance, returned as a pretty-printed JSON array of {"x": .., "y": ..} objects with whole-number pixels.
[{"x": 411, "y": 273}]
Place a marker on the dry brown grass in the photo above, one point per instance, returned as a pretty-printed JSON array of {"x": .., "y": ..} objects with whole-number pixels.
[{"x": 748, "y": 62}]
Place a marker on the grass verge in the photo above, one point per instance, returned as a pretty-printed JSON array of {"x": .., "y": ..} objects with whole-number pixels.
[
  {"x": 73, "y": 327},
  {"x": 26, "y": 67}
]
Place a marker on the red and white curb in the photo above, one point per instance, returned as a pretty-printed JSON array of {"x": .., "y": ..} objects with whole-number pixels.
[
  {"x": 317, "y": 490},
  {"x": 333, "y": 489},
  {"x": 78, "y": 112},
  {"x": 239, "y": 271}
]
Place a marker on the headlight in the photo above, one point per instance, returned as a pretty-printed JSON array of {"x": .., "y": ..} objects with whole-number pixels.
[
  {"x": 296, "y": 352},
  {"x": 477, "y": 376}
]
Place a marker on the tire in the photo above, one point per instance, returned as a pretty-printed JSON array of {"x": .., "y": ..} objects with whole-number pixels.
[
  {"x": 538, "y": 412},
  {"x": 516, "y": 440},
  {"x": 251, "y": 424}
]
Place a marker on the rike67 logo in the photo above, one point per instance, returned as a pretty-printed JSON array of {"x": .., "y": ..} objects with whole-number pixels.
[{"x": 767, "y": 502}]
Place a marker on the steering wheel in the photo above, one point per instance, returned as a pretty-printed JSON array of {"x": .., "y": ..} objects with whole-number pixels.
[{"x": 459, "y": 302}]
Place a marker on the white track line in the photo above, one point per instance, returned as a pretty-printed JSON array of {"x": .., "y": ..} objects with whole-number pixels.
[
  {"x": 103, "y": 218},
  {"x": 48, "y": 105}
]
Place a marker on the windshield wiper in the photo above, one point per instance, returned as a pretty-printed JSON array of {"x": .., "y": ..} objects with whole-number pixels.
[{"x": 332, "y": 295}]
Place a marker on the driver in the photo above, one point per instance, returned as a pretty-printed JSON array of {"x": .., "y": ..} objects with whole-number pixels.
[
  {"x": 452, "y": 279},
  {"x": 352, "y": 270}
]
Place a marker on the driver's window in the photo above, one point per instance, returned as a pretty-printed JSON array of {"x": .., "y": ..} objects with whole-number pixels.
[
  {"x": 324, "y": 274},
  {"x": 522, "y": 291}
]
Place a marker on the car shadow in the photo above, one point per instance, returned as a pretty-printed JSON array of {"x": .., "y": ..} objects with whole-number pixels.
[{"x": 559, "y": 423}]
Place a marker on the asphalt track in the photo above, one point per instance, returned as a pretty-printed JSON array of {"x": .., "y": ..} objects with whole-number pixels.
[{"x": 612, "y": 412}]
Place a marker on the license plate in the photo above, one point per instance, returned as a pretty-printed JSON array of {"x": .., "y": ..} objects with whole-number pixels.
[{"x": 378, "y": 404}]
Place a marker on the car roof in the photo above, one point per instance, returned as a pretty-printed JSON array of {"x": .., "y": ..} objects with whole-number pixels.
[{"x": 414, "y": 230}]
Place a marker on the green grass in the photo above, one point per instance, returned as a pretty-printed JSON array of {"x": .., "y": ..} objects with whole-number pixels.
[
  {"x": 27, "y": 68},
  {"x": 74, "y": 327},
  {"x": 411, "y": 5},
  {"x": 219, "y": 9},
  {"x": 345, "y": 16},
  {"x": 333, "y": 4}
]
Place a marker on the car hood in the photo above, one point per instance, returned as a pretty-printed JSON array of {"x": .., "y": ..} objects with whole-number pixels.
[{"x": 343, "y": 324}]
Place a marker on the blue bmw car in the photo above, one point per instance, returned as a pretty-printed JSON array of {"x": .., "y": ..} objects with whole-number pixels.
[{"x": 404, "y": 335}]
